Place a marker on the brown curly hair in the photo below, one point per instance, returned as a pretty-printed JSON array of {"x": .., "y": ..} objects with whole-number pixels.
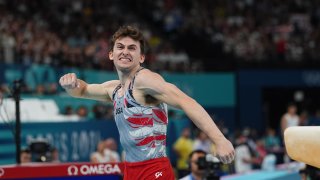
[{"x": 128, "y": 31}]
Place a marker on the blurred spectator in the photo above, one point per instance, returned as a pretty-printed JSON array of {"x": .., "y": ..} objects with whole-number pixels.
[
  {"x": 272, "y": 141},
  {"x": 102, "y": 111},
  {"x": 109, "y": 112},
  {"x": 269, "y": 162},
  {"x": 202, "y": 142},
  {"x": 52, "y": 88},
  {"x": 243, "y": 157},
  {"x": 8, "y": 44},
  {"x": 195, "y": 172},
  {"x": 40, "y": 90},
  {"x": 183, "y": 147},
  {"x": 100, "y": 156},
  {"x": 290, "y": 118},
  {"x": 98, "y": 111},
  {"x": 273, "y": 146},
  {"x": 68, "y": 110},
  {"x": 304, "y": 118},
  {"x": 281, "y": 47},
  {"x": 111, "y": 149},
  {"x": 315, "y": 120},
  {"x": 55, "y": 155},
  {"x": 251, "y": 137},
  {"x": 260, "y": 153},
  {"x": 82, "y": 112},
  {"x": 25, "y": 156}
]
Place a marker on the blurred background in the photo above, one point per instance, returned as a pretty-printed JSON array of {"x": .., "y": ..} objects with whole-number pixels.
[{"x": 245, "y": 61}]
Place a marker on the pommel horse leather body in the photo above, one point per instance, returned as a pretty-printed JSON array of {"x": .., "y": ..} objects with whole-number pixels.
[{"x": 303, "y": 144}]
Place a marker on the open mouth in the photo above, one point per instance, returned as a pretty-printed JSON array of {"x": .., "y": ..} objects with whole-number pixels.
[{"x": 126, "y": 59}]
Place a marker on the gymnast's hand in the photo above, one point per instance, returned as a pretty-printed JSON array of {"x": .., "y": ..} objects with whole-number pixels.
[
  {"x": 224, "y": 151},
  {"x": 69, "y": 81}
]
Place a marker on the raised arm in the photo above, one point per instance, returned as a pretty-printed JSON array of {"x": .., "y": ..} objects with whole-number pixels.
[
  {"x": 80, "y": 89},
  {"x": 153, "y": 84}
]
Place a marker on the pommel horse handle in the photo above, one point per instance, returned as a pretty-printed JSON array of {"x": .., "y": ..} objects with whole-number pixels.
[{"x": 303, "y": 144}]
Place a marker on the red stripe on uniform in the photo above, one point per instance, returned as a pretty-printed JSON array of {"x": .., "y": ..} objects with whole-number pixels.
[
  {"x": 141, "y": 121},
  {"x": 161, "y": 115}
]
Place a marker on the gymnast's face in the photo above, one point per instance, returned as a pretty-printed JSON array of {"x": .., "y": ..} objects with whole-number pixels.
[{"x": 126, "y": 54}]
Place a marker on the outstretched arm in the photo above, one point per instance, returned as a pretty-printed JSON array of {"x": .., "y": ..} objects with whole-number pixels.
[
  {"x": 80, "y": 89},
  {"x": 153, "y": 84}
]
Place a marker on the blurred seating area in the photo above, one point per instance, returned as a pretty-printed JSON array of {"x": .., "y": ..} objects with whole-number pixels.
[
  {"x": 41, "y": 40},
  {"x": 183, "y": 36},
  {"x": 55, "y": 109},
  {"x": 231, "y": 34}
]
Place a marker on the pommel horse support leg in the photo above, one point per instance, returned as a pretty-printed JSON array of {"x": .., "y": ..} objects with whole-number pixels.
[{"x": 303, "y": 144}]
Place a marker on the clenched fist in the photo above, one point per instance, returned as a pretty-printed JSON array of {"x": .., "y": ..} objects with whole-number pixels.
[
  {"x": 69, "y": 81},
  {"x": 225, "y": 151}
]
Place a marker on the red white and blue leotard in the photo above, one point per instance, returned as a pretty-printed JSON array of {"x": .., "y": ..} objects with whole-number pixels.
[{"x": 142, "y": 129}]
